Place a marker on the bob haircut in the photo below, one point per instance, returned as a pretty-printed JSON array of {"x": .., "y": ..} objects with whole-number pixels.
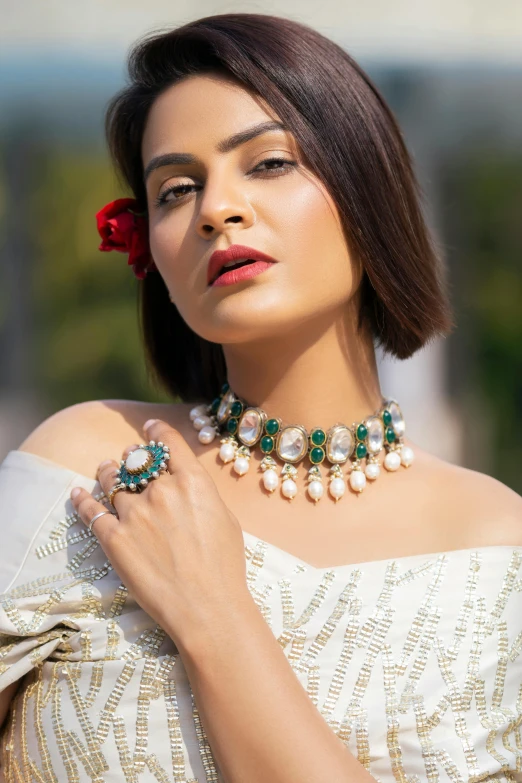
[{"x": 350, "y": 139}]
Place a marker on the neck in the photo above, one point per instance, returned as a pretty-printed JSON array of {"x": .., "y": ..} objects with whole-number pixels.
[{"x": 316, "y": 375}]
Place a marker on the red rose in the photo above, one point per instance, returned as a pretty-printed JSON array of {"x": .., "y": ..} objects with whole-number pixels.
[{"x": 124, "y": 229}]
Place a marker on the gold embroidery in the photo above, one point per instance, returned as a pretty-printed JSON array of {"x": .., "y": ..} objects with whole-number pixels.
[
  {"x": 100, "y": 691},
  {"x": 209, "y": 765}
]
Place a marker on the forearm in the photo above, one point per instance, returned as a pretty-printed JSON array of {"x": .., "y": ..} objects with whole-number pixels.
[{"x": 261, "y": 724}]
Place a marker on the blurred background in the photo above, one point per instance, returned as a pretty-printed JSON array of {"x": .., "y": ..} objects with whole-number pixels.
[{"x": 451, "y": 72}]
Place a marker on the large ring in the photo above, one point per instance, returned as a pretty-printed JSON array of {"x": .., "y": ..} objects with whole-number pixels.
[
  {"x": 142, "y": 465},
  {"x": 95, "y": 517}
]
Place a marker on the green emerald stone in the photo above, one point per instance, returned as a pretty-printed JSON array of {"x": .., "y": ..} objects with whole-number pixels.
[
  {"x": 316, "y": 455},
  {"x": 390, "y": 435},
  {"x": 232, "y": 425},
  {"x": 318, "y": 437},
  {"x": 362, "y": 432},
  {"x": 225, "y": 388},
  {"x": 361, "y": 450},
  {"x": 387, "y": 417},
  {"x": 215, "y": 405},
  {"x": 272, "y": 426},
  {"x": 267, "y": 444},
  {"x": 236, "y": 408}
]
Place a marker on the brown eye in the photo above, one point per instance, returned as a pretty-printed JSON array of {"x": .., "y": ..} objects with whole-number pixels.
[
  {"x": 182, "y": 189},
  {"x": 283, "y": 166},
  {"x": 279, "y": 169}
]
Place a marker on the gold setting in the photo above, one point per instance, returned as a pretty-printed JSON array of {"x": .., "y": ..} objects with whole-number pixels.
[
  {"x": 328, "y": 444},
  {"x": 279, "y": 436},
  {"x": 146, "y": 465},
  {"x": 261, "y": 416}
]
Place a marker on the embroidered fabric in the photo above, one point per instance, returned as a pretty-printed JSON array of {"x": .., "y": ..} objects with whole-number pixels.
[{"x": 414, "y": 662}]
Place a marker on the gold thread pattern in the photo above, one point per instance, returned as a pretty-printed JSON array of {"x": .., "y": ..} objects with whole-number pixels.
[{"x": 415, "y": 663}]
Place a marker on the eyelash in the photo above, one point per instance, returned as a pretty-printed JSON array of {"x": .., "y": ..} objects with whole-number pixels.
[{"x": 161, "y": 199}]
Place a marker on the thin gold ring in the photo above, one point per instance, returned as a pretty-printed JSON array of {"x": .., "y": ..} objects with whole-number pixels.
[{"x": 113, "y": 491}]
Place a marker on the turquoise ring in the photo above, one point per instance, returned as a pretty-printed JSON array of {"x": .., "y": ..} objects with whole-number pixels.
[{"x": 143, "y": 465}]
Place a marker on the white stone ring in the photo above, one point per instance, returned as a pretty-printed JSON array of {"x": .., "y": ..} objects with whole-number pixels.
[{"x": 142, "y": 465}]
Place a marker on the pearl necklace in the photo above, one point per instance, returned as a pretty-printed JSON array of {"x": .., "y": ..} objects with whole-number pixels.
[{"x": 245, "y": 426}]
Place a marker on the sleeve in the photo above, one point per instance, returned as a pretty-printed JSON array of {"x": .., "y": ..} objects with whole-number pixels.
[{"x": 39, "y": 588}]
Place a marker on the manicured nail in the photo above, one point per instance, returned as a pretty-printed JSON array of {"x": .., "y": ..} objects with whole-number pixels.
[
  {"x": 149, "y": 423},
  {"x": 75, "y": 492},
  {"x": 105, "y": 462}
]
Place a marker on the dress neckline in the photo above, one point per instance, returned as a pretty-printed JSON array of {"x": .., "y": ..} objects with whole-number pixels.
[
  {"x": 283, "y": 553},
  {"x": 422, "y": 556}
]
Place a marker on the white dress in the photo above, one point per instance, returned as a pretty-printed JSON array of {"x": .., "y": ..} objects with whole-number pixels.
[{"x": 415, "y": 662}]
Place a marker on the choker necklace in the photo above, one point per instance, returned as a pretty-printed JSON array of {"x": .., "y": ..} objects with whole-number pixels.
[{"x": 244, "y": 426}]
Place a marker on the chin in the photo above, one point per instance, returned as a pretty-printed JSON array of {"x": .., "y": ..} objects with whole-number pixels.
[
  {"x": 242, "y": 316},
  {"x": 232, "y": 320}
]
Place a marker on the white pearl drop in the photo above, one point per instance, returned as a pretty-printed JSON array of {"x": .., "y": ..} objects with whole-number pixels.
[
  {"x": 289, "y": 488},
  {"x": 337, "y": 487},
  {"x": 198, "y": 410},
  {"x": 392, "y": 460},
  {"x": 372, "y": 470},
  {"x": 227, "y": 452},
  {"x": 241, "y": 465},
  {"x": 407, "y": 456},
  {"x": 315, "y": 489},
  {"x": 205, "y": 435},
  {"x": 270, "y": 479},
  {"x": 200, "y": 422},
  {"x": 357, "y": 480}
]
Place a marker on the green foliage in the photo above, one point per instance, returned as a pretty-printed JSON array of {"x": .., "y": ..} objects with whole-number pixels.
[
  {"x": 89, "y": 346},
  {"x": 486, "y": 232}
]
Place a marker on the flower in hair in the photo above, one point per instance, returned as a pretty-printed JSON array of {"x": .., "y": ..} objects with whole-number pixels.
[{"x": 122, "y": 227}]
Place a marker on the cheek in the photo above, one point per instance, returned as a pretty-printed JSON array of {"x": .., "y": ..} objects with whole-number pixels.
[
  {"x": 166, "y": 241},
  {"x": 315, "y": 239}
]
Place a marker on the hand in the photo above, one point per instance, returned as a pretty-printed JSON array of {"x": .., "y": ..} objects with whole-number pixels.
[{"x": 175, "y": 545}]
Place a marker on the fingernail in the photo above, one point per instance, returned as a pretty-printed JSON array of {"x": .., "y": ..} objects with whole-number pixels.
[
  {"x": 75, "y": 492},
  {"x": 149, "y": 423},
  {"x": 105, "y": 462}
]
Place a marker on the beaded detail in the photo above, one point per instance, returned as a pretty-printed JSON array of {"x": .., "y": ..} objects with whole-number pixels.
[
  {"x": 243, "y": 426},
  {"x": 414, "y": 662}
]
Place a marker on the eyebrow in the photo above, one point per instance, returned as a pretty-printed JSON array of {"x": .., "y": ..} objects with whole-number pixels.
[{"x": 225, "y": 145}]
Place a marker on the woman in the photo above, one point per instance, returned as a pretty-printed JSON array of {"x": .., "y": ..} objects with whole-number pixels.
[{"x": 200, "y": 590}]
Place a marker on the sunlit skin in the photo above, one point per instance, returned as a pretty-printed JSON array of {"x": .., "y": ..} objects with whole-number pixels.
[
  {"x": 319, "y": 372},
  {"x": 289, "y": 334},
  {"x": 291, "y": 346}
]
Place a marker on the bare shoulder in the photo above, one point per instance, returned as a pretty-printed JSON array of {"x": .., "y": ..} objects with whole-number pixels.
[
  {"x": 478, "y": 509},
  {"x": 81, "y": 436}
]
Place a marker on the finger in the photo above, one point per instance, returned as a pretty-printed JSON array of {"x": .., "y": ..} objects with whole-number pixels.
[
  {"x": 87, "y": 507},
  {"x": 182, "y": 456},
  {"x": 108, "y": 473}
]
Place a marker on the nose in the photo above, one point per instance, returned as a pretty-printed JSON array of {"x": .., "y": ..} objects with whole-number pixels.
[{"x": 223, "y": 204}]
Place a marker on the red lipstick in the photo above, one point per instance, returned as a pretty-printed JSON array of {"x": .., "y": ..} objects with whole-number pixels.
[{"x": 250, "y": 263}]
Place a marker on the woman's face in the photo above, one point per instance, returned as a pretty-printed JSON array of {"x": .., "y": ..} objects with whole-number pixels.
[{"x": 237, "y": 197}]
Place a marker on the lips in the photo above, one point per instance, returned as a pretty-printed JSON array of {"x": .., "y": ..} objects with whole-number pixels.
[{"x": 233, "y": 253}]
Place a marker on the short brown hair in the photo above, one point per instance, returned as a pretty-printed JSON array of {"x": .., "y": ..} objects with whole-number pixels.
[{"x": 351, "y": 140}]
